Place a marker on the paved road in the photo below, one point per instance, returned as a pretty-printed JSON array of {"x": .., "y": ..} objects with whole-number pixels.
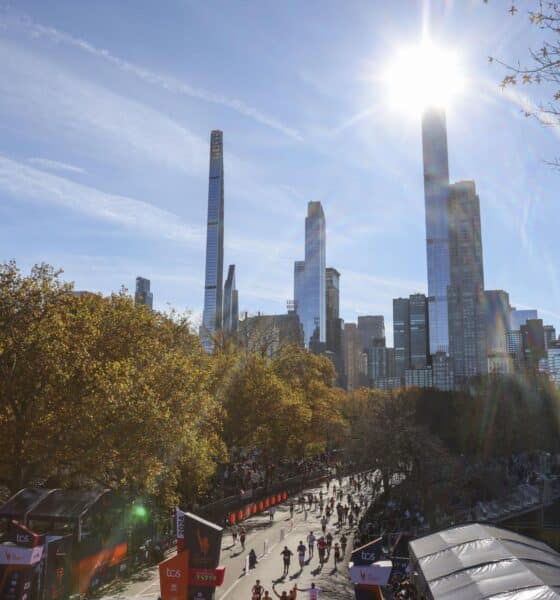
[{"x": 262, "y": 535}]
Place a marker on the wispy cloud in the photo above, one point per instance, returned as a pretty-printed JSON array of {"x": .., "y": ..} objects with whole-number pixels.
[
  {"x": 43, "y": 98},
  {"x": 21, "y": 181},
  {"x": 55, "y": 165},
  {"x": 165, "y": 82}
]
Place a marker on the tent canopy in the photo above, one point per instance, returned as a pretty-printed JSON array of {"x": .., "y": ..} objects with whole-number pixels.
[{"x": 481, "y": 561}]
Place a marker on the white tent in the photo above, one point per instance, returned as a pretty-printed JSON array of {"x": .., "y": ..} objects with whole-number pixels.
[{"x": 480, "y": 561}]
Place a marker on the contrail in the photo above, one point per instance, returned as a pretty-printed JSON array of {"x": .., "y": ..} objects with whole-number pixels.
[{"x": 170, "y": 84}]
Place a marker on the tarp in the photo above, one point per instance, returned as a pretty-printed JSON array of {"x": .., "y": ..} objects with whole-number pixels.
[{"x": 481, "y": 561}]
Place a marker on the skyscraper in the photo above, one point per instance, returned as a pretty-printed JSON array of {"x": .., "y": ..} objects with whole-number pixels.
[
  {"x": 309, "y": 278},
  {"x": 333, "y": 320},
  {"x": 410, "y": 333},
  {"x": 467, "y": 313},
  {"x": 419, "y": 331},
  {"x": 401, "y": 334},
  {"x": 142, "y": 294},
  {"x": 213, "y": 288},
  {"x": 371, "y": 329},
  {"x": 231, "y": 302},
  {"x": 352, "y": 356},
  {"x": 436, "y": 189},
  {"x": 520, "y": 317},
  {"x": 498, "y": 320}
]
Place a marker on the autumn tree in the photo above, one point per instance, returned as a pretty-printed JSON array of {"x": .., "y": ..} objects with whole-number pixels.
[{"x": 98, "y": 391}]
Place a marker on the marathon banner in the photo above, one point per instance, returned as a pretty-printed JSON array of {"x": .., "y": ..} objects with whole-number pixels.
[
  {"x": 207, "y": 577},
  {"x": 21, "y": 535},
  {"x": 174, "y": 577},
  {"x": 368, "y": 553},
  {"x": 180, "y": 516},
  {"x": 256, "y": 507},
  {"x": 376, "y": 574}
]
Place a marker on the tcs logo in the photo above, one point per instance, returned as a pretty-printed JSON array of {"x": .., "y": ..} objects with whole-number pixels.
[{"x": 176, "y": 573}]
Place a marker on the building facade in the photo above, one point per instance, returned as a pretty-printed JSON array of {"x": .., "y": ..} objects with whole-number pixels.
[
  {"x": 401, "y": 335},
  {"x": 266, "y": 334},
  {"x": 309, "y": 277},
  {"x": 436, "y": 189},
  {"x": 371, "y": 329},
  {"x": 419, "y": 332},
  {"x": 142, "y": 294},
  {"x": 498, "y": 320},
  {"x": 231, "y": 302},
  {"x": 467, "y": 314},
  {"x": 352, "y": 357},
  {"x": 214, "y": 273}
]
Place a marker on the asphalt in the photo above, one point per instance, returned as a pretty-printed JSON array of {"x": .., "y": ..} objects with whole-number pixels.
[{"x": 268, "y": 540}]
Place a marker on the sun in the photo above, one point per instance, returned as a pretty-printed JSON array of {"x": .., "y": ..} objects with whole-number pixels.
[{"x": 423, "y": 76}]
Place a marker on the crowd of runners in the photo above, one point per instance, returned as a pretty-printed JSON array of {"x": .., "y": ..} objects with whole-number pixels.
[{"x": 336, "y": 511}]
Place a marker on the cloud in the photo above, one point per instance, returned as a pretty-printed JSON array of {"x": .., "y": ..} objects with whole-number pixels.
[
  {"x": 55, "y": 165},
  {"x": 46, "y": 100},
  {"x": 164, "y": 82},
  {"x": 21, "y": 181}
]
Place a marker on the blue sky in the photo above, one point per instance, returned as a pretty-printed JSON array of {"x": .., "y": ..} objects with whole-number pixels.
[{"x": 105, "y": 115}]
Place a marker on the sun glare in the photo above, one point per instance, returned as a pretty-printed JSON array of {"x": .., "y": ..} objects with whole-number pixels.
[{"x": 421, "y": 76}]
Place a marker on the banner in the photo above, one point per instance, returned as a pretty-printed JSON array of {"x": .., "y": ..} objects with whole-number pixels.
[
  {"x": 174, "y": 578},
  {"x": 375, "y": 574},
  {"x": 15, "y": 555},
  {"x": 180, "y": 515}
]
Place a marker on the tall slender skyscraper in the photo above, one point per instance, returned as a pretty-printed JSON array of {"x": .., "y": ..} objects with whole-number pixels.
[
  {"x": 142, "y": 294},
  {"x": 231, "y": 302},
  {"x": 309, "y": 278},
  {"x": 436, "y": 190},
  {"x": 213, "y": 288},
  {"x": 333, "y": 322},
  {"x": 401, "y": 334},
  {"x": 467, "y": 306}
]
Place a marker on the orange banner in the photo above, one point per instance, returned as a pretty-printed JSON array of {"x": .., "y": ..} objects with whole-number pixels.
[{"x": 174, "y": 577}]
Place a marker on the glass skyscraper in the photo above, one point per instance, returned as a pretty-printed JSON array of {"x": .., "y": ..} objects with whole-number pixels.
[
  {"x": 309, "y": 277},
  {"x": 213, "y": 288},
  {"x": 467, "y": 306},
  {"x": 231, "y": 302},
  {"x": 436, "y": 190}
]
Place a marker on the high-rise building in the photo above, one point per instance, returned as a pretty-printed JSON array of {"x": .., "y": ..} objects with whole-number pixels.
[
  {"x": 213, "y": 287},
  {"x": 401, "y": 334},
  {"x": 467, "y": 314},
  {"x": 419, "y": 331},
  {"x": 309, "y": 278},
  {"x": 533, "y": 340},
  {"x": 498, "y": 320},
  {"x": 333, "y": 320},
  {"x": 352, "y": 356},
  {"x": 266, "y": 334},
  {"x": 436, "y": 189},
  {"x": 142, "y": 295},
  {"x": 371, "y": 329},
  {"x": 520, "y": 317},
  {"x": 231, "y": 302},
  {"x": 551, "y": 364},
  {"x": 549, "y": 336}
]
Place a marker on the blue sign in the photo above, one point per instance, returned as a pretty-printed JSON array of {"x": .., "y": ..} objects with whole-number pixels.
[{"x": 368, "y": 553}]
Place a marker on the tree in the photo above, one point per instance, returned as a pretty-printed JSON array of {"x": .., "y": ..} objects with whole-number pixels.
[
  {"x": 543, "y": 65},
  {"x": 98, "y": 391}
]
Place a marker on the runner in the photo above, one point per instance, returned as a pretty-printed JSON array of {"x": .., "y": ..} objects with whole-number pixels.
[
  {"x": 257, "y": 591},
  {"x": 266, "y": 596},
  {"x": 301, "y": 549},
  {"x": 286, "y": 556},
  {"x": 313, "y": 592},
  {"x": 329, "y": 542},
  {"x": 234, "y": 534},
  {"x": 242, "y": 537},
  {"x": 321, "y": 549},
  {"x": 324, "y": 522},
  {"x": 343, "y": 543},
  {"x": 271, "y": 512},
  {"x": 291, "y": 510},
  {"x": 337, "y": 555},
  {"x": 311, "y": 543}
]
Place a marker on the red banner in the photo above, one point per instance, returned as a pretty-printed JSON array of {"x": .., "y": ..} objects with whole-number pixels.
[{"x": 207, "y": 577}]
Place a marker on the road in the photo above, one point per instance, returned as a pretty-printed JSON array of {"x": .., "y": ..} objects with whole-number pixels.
[{"x": 268, "y": 539}]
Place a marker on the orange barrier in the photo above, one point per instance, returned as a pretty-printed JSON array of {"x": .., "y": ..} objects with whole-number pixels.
[{"x": 253, "y": 509}]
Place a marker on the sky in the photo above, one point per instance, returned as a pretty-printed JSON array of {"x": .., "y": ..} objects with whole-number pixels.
[{"x": 106, "y": 110}]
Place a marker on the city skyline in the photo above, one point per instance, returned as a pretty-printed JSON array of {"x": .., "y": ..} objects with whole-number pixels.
[{"x": 121, "y": 190}]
